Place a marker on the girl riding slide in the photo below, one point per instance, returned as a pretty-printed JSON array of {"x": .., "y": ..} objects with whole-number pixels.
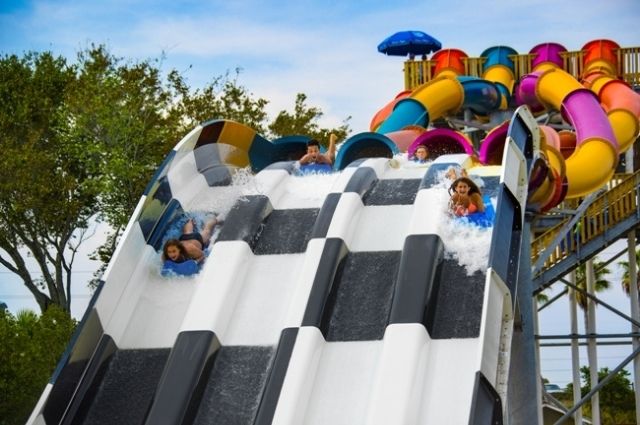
[{"x": 466, "y": 197}]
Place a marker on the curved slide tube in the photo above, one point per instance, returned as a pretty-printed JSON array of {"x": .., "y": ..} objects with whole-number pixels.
[
  {"x": 364, "y": 145},
  {"x": 429, "y": 101},
  {"x": 619, "y": 100},
  {"x": 594, "y": 159},
  {"x": 384, "y": 113},
  {"x": 492, "y": 147},
  {"x": 498, "y": 68},
  {"x": 442, "y": 141},
  {"x": 404, "y": 138},
  {"x": 239, "y": 146},
  {"x": 443, "y": 96}
]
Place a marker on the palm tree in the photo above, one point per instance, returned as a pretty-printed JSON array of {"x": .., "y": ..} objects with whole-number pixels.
[
  {"x": 625, "y": 277},
  {"x": 601, "y": 284}
]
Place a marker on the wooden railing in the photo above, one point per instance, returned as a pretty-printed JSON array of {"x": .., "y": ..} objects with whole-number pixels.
[
  {"x": 629, "y": 65},
  {"x": 618, "y": 203},
  {"x": 417, "y": 72}
]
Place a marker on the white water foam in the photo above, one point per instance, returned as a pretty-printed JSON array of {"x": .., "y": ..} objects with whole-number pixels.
[
  {"x": 308, "y": 191},
  {"x": 464, "y": 242}
]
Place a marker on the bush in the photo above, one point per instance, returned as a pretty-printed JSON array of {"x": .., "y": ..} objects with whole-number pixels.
[{"x": 30, "y": 349}]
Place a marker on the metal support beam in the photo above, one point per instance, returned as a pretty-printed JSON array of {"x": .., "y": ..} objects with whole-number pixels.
[
  {"x": 635, "y": 314},
  {"x": 592, "y": 348},
  {"x": 602, "y": 303},
  {"x": 589, "y": 336},
  {"x": 524, "y": 381},
  {"x": 568, "y": 227}
]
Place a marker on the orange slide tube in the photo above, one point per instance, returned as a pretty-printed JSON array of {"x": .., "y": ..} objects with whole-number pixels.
[{"x": 619, "y": 100}]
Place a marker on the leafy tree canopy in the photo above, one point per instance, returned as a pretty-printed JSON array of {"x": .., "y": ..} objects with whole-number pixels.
[
  {"x": 30, "y": 349},
  {"x": 80, "y": 141},
  {"x": 617, "y": 398}
]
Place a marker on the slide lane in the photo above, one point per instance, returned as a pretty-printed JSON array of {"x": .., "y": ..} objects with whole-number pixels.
[
  {"x": 138, "y": 316},
  {"x": 620, "y": 102},
  {"x": 347, "y": 366},
  {"x": 252, "y": 304}
]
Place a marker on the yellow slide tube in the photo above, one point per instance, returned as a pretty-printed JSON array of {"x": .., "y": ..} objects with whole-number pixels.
[
  {"x": 503, "y": 75},
  {"x": 441, "y": 96},
  {"x": 554, "y": 85}
]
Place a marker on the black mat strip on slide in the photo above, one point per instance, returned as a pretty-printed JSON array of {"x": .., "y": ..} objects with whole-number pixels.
[
  {"x": 392, "y": 192},
  {"x": 358, "y": 308},
  {"x": 235, "y": 386}
]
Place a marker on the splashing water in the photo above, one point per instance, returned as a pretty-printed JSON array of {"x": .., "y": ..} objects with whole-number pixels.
[
  {"x": 220, "y": 203},
  {"x": 311, "y": 187},
  {"x": 468, "y": 244}
]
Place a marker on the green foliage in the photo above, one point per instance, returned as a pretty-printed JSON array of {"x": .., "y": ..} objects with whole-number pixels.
[
  {"x": 626, "y": 278},
  {"x": 30, "y": 349},
  {"x": 116, "y": 124},
  {"x": 601, "y": 284},
  {"x": 617, "y": 398},
  {"x": 303, "y": 121},
  {"x": 81, "y": 141},
  {"x": 45, "y": 195},
  {"x": 222, "y": 98}
]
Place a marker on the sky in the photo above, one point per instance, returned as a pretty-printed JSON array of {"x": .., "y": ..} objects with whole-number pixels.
[{"x": 325, "y": 50}]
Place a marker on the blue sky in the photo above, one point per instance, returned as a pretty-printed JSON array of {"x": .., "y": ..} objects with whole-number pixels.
[
  {"x": 325, "y": 50},
  {"x": 287, "y": 47}
]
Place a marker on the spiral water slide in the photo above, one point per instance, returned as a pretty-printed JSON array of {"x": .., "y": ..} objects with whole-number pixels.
[
  {"x": 600, "y": 134},
  {"x": 605, "y": 118},
  {"x": 338, "y": 308},
  {"x": 446, "y": 94}
]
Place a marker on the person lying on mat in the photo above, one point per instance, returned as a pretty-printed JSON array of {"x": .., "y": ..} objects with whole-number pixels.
[
  {"x": 466, "y": 197},
  {"x": 191, "y": 244},
  {"x": 313, "y": 155}
]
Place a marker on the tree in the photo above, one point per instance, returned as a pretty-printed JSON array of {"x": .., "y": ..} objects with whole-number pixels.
[
  {"x": 224, "y": 98},
  {"x": 46, "y": 194},
  {"x": 617, "y": 398},
  {"x": 81, "y": 141},
  {"x": 601, "y": 284},
  {"x": 626, "y": 278},
  {"x": 304, "y": 121},
  {"x": 31, "y": 346}
]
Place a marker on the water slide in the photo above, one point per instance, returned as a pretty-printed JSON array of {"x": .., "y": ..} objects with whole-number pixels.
[
  {"x": 403, "y": 122},
  {"x": 602, "y": 109},
  {"x": 324, "y": 299},
  {"x": 316, "y": 304}
]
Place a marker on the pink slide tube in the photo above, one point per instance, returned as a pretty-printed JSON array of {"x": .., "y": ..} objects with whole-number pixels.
[
  {"x": 492, "y": 146},
  {"x": 547, "y": 52},
  {"x": 582, "y": 109},
  {"x": 526, "y": 92},
  {"x": 441, "y": 141}
]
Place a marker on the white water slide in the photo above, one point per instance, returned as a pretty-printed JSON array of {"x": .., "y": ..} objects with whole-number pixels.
[{"x": 325, "y": 299}]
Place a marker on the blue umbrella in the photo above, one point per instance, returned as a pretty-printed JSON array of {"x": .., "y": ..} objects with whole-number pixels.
[{"x": 409, "y": 42}]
